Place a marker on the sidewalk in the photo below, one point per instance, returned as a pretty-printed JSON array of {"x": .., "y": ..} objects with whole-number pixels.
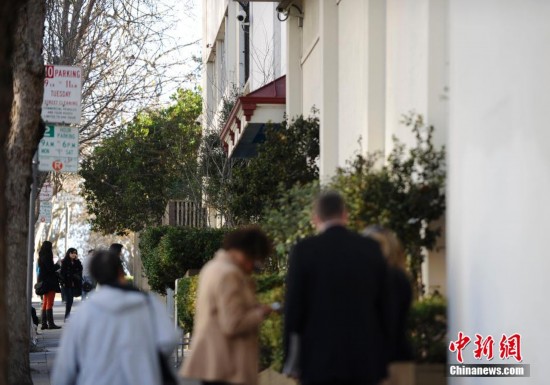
[{"x": 47, "y": 343}]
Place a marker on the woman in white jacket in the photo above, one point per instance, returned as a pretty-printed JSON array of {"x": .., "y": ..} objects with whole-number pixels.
[{"x": 114, "y": 338}]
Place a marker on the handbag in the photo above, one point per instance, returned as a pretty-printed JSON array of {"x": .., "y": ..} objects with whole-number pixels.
[
  {"x": 167, "y": 373},
  {"x": 39, "y": 288},
  {"x": 87, "y": 286}
]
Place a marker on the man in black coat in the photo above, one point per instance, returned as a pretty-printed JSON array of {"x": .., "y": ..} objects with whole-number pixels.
[{"x": 336, "y": 311}]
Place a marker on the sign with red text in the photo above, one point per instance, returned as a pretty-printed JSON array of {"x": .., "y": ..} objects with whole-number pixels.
[
  {"x": 58, "y": 149},
  {"x": 62, "y": 93}
]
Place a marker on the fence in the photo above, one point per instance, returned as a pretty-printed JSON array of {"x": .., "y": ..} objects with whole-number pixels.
[{"x": 184, "y": 213}]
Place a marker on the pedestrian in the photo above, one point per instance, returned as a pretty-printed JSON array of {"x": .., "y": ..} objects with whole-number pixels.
[
  {"x": 71, "y": 276},
  {"x": 118, "y": 336},
  {"x": 49, "y": 279},
  {"x": 224, "y": 344},
  {"x": 61, "y": 283},
  {"x": 88, "y": 283},
  {"x": 401, "y": 368},
  {"x": 335, "y": 315},
  {"x": 117, "y": 249}
]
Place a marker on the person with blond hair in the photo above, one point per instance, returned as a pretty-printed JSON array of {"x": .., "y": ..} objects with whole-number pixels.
[{"x": 401, "y": 369}]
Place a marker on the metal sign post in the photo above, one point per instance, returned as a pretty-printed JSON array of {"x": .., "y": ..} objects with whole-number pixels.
[{"x": 30, "y": 240}]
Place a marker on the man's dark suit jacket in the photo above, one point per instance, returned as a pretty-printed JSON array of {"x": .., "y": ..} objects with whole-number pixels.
[{"x": 336, "y": 302}]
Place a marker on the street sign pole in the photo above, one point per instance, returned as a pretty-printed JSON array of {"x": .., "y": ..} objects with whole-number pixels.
[
  {"x": 30, "y": 241},
  {"x": 66, "y": 225}
]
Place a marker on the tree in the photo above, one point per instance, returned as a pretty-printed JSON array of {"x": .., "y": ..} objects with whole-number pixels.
[
  {"x": 8, "y": 15},
  {"x": 131, "y": 175},
  {"x": 241, "y": 189},
  {"x": 125, "y": 52},
  {"x": 214, "y": 165},
  {"x": 287, "y": 157},
  {"x": 22, "y": 88},
  {"x": 128, "y": 57},
  {"x": 289, "y": 220}
]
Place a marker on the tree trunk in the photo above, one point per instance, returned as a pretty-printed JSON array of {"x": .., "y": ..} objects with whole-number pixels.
[
  {"x": 22, "y": 141},
  {"x": 8, "y": 12}
]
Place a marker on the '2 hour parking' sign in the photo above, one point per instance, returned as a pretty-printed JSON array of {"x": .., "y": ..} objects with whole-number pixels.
[{"x": 58, "y": 149}]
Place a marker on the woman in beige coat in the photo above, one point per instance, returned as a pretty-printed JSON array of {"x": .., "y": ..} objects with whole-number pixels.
[{"x": 224, "y": 346}]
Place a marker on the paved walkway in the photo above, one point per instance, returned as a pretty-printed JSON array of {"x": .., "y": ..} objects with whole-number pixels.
[{"x": 47, "y": 344}]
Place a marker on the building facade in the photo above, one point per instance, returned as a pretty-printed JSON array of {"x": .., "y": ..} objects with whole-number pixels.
[
  {"x": 477, "y": 71},
  {"x": 244, "y": 48},
  {"x": 362, "y": 64}
]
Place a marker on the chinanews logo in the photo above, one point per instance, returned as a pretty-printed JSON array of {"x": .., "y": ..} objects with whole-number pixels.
[{"x": 509, "y": 349}]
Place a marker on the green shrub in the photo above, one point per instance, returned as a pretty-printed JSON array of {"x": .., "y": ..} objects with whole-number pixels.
[
  {"x": 271, "y": 330},
  {"x": 405, "y": 194},
  {"x": 428, "y": 329},
  {"x": 266, "y": 282},
  {"x": 186, "y": 301},
  {"x": 152, "y": 266},
  {"x": 168, "y": 252},
  {"x": 289, "y": 220},
  {"x": 270, "y": 288}
]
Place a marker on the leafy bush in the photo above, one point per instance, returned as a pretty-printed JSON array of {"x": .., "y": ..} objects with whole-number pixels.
[
  {"x": 288, "y": 155},
  {"x": 289, "y": 220},
  {"x": 168, "y": 252},
  {"x": 271, "y": 330},
  {"x": 130, "y": 175},
  {"x": 270, "y": 288},
  {"x": 406, "y": 194},
  {"x": 152, "y": 266},
  {"x": 185, "y": 298},
  {"x": 428, "y": 329}
]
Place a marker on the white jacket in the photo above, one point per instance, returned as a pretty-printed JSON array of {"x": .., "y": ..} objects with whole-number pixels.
[{"x": 113, "y": 339}]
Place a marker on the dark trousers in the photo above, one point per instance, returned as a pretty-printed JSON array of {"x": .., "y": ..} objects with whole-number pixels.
[
  {"x": 69, "y": 296},
  {"x": 34, "y": 316}
]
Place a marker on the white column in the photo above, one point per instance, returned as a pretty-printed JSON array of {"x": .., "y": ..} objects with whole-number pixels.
[
  {"x": 354, "y": 39},
  {"x": 499, "y": 177},
  {"x": 293, "y": 68},
  {"x": 407, "y": 53},
  {"x": 376, "y": 75},
  {"x": 328, "y": 132}
]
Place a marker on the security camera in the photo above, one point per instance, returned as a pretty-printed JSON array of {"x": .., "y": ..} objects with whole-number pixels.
[
  {"x": 241, "y": 15},
  {"x": 284, "y": 6}
]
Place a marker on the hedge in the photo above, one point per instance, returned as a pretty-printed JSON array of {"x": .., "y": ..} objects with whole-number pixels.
[
  {"x": 185, "y": 300},
  {"x": 269, "y": 288},
  {"x": 427, "y": 322},
  {"x": 167, "y": 252},
  {"x": 428, "y": 329}
]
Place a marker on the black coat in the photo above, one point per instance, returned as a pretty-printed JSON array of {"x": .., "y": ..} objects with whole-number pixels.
[
  {"x": 71, "y": 273},
  {"x": 400, "y": 303},
  {"x": 47, "y": 273},
  {"x": 336, "y": 300}
]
